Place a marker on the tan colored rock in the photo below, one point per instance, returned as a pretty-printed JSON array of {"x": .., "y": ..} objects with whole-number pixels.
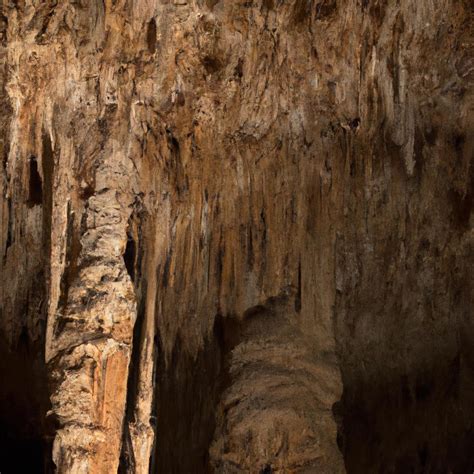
[{"x": 236, "y": 236}]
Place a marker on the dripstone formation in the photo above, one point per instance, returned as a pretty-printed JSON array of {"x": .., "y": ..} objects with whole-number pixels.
[{"x": 236, "y": 236}]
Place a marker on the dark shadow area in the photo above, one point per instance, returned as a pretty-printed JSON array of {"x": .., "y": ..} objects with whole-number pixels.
[
  {"x": 420, "y": 423},
  {"x": 25, "y": 435},
  {"x": 35, "y": 185},
  {"x": 127, "y": 460},
  {"x": 133, "y": 263},
  {"x": 187, "y": 393},
  {"x": 129, "y": 257}
]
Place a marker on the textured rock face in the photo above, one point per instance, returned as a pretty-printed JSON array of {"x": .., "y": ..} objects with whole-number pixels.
[{"x": 236, "y": 236}]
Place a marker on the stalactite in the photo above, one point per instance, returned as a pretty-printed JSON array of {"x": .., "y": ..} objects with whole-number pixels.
[{"x": 235, "y": 236}]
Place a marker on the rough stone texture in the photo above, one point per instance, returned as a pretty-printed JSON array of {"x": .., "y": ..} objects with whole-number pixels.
[{"x": 236, "y": 236}]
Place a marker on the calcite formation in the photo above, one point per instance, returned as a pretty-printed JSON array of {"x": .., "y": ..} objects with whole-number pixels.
[{"x": 236, "y": 236}]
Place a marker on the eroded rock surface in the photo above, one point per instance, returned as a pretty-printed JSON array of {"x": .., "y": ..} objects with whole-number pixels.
[{"x": 236, "y": 236}]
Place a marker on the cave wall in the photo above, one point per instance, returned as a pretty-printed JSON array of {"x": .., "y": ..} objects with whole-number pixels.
[
  {"x": 235, "y": 236},
  {"x": 404, "y": 248}
]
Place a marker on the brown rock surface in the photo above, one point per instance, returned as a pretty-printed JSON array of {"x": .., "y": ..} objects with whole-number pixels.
[{"x": 236, "y": 236}]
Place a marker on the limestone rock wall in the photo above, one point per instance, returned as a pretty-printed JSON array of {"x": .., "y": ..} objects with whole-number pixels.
[{"x": 236, "y": 235}]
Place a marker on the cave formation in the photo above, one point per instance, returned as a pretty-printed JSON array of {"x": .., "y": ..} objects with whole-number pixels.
[{"x": 236, "y": 236}]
